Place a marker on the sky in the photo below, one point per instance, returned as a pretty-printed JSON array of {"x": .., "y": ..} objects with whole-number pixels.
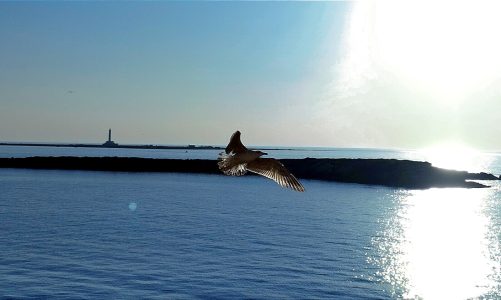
[{"x": 381, "y": 74}]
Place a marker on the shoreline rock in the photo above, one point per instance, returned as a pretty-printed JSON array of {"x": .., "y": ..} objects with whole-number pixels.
[{"x": 384, "y": 172}]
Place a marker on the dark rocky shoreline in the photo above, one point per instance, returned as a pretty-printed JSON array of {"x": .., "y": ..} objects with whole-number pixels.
[{"x": 385, "y": 172}]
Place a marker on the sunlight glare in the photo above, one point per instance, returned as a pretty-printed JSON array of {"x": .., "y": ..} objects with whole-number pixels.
[
  {"x": 446, "y": 247},
  {"x": 437, "y": 245},
  {"x": 447, "y": 49},
  {"x": 454, "y": 156}
]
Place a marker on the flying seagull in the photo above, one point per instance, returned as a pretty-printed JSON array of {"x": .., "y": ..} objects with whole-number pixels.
[{"x": 237, "y": 160}]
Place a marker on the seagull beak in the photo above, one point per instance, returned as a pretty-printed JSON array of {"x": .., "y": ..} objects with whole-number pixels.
[{"x": 264, "y": 153}]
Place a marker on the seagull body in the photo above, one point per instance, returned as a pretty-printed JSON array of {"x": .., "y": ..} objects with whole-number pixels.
[{"x": 237, "y": 160}]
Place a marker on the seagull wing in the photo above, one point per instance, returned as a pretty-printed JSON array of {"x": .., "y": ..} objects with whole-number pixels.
[
  {"x": 235, "y": 144},
  {"x": 231, "y": 166},
  {"x": 273, "y": 169}
]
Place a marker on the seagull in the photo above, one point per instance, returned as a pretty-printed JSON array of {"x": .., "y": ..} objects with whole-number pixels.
[{"x": 237, "y": 160}]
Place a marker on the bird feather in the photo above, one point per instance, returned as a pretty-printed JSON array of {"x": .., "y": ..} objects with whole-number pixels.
[{"x": 275, "y": 170}]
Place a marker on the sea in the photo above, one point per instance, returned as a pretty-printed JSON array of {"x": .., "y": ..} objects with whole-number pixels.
[{"x": 121, "y": 235}]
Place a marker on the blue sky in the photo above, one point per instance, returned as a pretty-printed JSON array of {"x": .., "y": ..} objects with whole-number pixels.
[
  {"x": 157, "y": 72},
  {"x": 340, "y": 74}
]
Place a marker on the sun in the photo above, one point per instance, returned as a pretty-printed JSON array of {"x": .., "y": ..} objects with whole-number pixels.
[
  {"x": 445, "y": 49},
  {"x": 454, "y": 155}
]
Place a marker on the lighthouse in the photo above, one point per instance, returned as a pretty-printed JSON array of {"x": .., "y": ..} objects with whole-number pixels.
[{"x": 109, "y": 142}]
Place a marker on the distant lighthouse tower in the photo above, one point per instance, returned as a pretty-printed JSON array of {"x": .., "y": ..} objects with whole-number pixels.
[{"x": 109, "y": 142}]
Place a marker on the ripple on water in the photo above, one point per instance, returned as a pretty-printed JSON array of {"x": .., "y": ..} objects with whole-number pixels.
[{"x": 74, "y": 235}]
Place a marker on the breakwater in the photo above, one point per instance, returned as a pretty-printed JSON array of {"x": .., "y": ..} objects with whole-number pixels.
[{"x": 385, "y": 172}]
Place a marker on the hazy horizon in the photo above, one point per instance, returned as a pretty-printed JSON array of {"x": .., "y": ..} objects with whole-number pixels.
[{"x": 378, "y": 74}]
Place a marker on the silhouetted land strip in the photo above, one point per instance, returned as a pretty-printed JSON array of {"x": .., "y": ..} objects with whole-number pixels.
[
  {"x": 188, "y": 147},
  {"x": 386, "y": 172},
  {"x": 118, "y": 146}
]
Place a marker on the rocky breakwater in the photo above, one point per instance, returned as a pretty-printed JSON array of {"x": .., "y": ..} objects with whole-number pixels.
[{"x": 385, "y": 172}]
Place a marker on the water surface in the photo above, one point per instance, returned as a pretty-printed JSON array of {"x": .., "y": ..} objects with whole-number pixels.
[{"x": 82, "y": 234}]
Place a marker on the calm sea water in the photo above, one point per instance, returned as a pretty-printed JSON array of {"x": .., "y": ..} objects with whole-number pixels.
[{"x": 80, "y": 235}]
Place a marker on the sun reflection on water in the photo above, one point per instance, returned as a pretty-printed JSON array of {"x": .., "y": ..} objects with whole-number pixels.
[{"x": 439, "y": 245}]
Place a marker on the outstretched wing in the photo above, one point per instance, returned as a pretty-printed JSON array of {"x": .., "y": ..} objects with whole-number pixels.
[
  {"x": 235, "y": 144},
  {"x": 273, "y": 169}
]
